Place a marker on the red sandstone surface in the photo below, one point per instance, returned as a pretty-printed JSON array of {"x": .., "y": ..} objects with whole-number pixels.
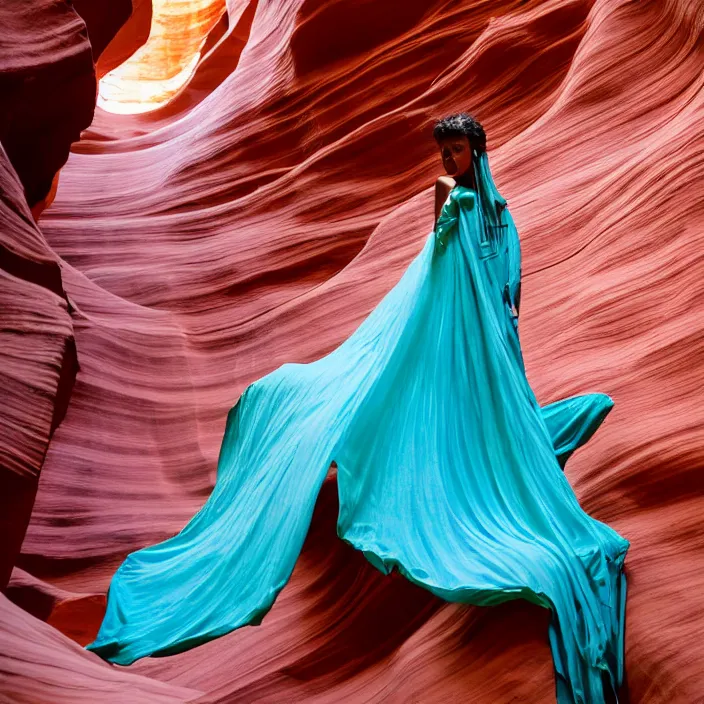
[{"x": 257, "y": 219}]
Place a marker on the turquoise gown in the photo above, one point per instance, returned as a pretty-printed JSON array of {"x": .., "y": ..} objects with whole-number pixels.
[{"x": 449, "y": 471}]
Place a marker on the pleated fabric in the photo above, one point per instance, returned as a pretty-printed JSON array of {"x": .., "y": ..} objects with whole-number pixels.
[{"x": 449, "y": 471}]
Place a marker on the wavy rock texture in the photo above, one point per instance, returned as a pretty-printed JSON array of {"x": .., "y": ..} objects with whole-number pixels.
[
  {"x": 39, "y": 664},
  {"x": 264, "y": 218},
  {"x": 38, "y": 360},
  {"x": 47, "y": 84}
]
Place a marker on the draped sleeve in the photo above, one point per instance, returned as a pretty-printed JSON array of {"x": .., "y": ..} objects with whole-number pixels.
[
  {"x": 514, "y": 260},
  {"x": 449, "y": 215}
]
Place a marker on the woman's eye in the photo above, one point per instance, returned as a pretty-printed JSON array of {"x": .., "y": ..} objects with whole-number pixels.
[{"x": 457, "y": 148}]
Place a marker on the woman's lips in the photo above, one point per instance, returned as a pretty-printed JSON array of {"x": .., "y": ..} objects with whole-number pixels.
[{"x": 450, "y": 167}]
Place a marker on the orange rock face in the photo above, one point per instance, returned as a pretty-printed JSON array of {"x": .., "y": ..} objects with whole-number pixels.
[{"x": 257, "y": 220}]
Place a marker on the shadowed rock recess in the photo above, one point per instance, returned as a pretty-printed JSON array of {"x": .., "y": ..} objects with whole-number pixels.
[{"x": 153, "y": 265}]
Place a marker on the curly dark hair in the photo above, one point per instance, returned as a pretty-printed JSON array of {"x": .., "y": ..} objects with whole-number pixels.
[{"x": 461, "y": 123}]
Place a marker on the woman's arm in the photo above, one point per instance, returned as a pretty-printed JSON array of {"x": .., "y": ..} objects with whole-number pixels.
[{"x": 443, "y": 186}]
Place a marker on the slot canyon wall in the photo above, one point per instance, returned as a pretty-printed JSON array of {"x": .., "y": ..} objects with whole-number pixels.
[{"x": 153, "y": 265}]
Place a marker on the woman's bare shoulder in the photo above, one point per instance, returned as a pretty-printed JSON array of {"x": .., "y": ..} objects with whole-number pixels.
[
  {"x": 445, "y": 182},
  {"x": 443, "y": 186}
]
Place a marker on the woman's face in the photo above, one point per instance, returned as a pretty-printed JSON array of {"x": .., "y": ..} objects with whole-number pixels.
[{"x": 456, "y": 154}]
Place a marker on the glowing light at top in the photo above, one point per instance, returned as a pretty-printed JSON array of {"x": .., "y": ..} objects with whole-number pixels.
[{"x": 165, "y": 63}]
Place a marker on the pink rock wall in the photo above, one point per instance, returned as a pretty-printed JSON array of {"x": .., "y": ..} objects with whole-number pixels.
[
  {"x": 47, "y": 91},
  {"x": 38, "y": 360},
  {"x": 47, "y": 84},
  {"x": 261, "y": 220}
]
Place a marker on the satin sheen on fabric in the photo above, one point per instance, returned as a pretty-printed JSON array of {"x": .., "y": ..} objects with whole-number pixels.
[{"x": 448, "y": 471}]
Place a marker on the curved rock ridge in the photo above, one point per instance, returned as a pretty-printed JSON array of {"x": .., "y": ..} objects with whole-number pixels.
[
  {"x": 48, "y": 50},
  {"x": 261, "y": 218},
  {"x": 38, "y": 359},
  {"x": 40, "y": 664}
]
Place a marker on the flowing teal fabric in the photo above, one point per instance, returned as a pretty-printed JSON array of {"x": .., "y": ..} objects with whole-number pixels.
[{"x": 448, "y": 471}]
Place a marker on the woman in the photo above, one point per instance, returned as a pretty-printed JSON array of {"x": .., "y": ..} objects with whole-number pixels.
[{"x": 448, "y": 469}]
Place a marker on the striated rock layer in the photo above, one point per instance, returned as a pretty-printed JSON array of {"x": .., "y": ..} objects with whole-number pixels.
[
  {"x": 38, "y": 360},
  {"x": 260, "y": 219},
  {"x": 47, "y": 91}
]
